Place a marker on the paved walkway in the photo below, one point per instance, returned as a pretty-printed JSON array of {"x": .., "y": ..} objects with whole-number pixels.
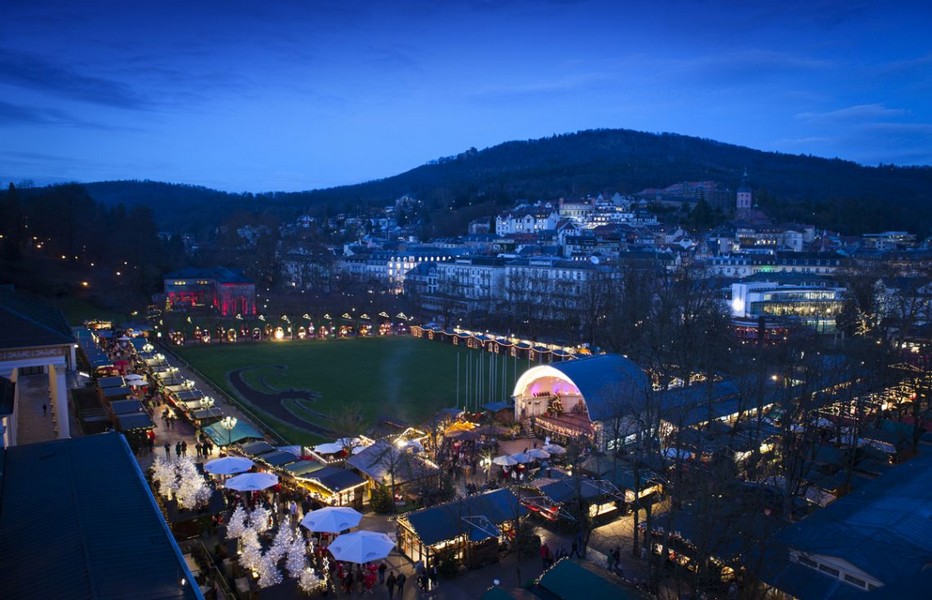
[{"x": 32, "y": 424}]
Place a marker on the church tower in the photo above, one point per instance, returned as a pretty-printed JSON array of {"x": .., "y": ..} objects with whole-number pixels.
[{"x": 743, "y": 200}]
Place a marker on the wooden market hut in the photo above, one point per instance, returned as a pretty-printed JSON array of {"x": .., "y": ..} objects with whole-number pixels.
[
  {"x": 473, "y": 527},
  {"x": 386, "y": 464},
  {"x": 334, "y": 485}
]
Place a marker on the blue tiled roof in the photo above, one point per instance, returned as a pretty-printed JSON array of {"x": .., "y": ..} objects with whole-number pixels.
[{"x": 78, "y": 520}]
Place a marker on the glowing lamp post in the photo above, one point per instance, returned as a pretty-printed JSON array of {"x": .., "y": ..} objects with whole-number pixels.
[
  {"x": 228, "y": 423},
  {"x": 208, "y": 402}
]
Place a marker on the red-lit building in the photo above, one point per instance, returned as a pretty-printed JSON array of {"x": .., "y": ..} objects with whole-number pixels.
[{"x": 226, "y": 291}]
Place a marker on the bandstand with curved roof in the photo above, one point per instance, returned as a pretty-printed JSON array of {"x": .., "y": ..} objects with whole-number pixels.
[{"x": 569, "y": 399}]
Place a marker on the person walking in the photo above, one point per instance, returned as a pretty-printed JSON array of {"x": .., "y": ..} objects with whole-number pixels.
[
  {"x": 382, "y": 568},
  {"x": 433, "y": 576},
  {"x": 184, "y": 448},
  {"x": 178, "y": 449},
  {"x": 390, "y": 584},
  {"x": 168, "y": 451},
  {"x": 400, "y": 585},
  {"x": 45, "y": 409}
]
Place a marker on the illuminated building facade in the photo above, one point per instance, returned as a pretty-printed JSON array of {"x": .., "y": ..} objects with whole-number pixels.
[{"x": 223, "y": 290}]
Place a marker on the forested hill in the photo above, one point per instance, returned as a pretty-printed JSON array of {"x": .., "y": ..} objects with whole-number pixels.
[{"x": 829, "y": 192}]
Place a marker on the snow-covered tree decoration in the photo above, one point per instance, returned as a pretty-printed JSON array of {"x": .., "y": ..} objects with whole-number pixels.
[
  {"x": 296, "y": 558},
  {"x": 252, "y": 550},
  {"x": 181, "y": 479},
  {"x": 192, "y": 490},
  {"x": 310, "y": 582},
  {"x": 269, "y": 573},
  {"x": 163, "y": 473},
  {"x": 259, "y": 519},
  {"x": 237, "y": 524},
  {"x": 281, "y": 543}
]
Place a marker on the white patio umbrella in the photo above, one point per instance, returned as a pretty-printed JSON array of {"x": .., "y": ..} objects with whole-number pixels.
[
  {"x": 361, "y": 546},
  {"x": 228, "y": 465},
  {"x": 521, "y": 458},
  {"x": 554, "y": 449},
  {"x": 538, "y": 453},
  {"x": 505, "y": 460},
  {"x": 331, "y": 519},
  {"x": 252, "y": 482}
]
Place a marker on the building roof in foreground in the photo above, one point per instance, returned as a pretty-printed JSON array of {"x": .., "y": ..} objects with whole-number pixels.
[
  {"x": 26, "y": 321},
  {"x": 883, "y": 528},
  {"x": 78, "y": 520}
]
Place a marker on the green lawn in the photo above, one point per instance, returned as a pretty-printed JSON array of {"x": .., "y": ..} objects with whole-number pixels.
[{"x": 398, "y": 377}]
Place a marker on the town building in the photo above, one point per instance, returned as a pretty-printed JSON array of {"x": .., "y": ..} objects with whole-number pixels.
[
  {"x": 35, "y": 340},
  {"x": 223, "y": 290}
]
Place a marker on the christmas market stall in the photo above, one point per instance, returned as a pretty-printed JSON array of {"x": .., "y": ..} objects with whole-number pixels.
[
  {"x": 469, "y": 530},
  {"x": 334, "y": 486},
  {"x": 241, "y": 431},
  {"x": 397, "y": 466}
]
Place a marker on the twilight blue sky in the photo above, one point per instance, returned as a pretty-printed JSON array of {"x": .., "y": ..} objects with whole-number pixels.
[{"x": 265, "y": 95}]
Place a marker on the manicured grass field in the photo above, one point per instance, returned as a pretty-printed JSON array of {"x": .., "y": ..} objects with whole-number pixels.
[{"x": 398, "y": 377}]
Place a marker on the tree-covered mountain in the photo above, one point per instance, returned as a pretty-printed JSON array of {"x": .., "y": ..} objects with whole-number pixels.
[{"x": 830, "y": 193}]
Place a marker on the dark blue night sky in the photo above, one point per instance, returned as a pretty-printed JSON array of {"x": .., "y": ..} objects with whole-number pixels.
[{"x": 301, "y": 94}]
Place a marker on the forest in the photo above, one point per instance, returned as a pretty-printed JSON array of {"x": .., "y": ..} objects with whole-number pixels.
[{"x": 829, "y": 193}]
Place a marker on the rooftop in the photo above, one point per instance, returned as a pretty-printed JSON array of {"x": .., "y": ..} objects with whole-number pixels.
[{"x": 78, "y": 520}]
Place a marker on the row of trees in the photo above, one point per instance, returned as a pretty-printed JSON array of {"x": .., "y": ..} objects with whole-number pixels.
[{"x": 673, "y": 324}]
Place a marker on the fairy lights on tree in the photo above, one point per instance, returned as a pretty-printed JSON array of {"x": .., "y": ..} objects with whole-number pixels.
[
  {"x": 237, "y": 524},
  {"x": 269, "y": 573},
  {"x": 180, "y": 478}
]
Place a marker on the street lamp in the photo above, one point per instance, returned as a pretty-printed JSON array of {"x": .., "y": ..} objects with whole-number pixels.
[
  {"x": 228, "y": 423},
  {"x": 207, "y": 402}
]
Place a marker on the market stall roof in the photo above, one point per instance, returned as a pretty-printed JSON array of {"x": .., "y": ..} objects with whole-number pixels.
[
  {"x": 571, "y": 578},
  {"x": 335, "y": 479},
  {"x": 97, "y": 509},
  {"x": 127, "y": 407},
  {"x": 497, "y": 406},
  {"x": 303, "y": 467},
  {"x": 223, "y": 437},
  {"x": 110, "y": 382},
  {"x": 186, "y": 395},
  {"x": 445, "y": 522},
  {"x": 173, "y": 380},
  {"x": 565, "y": 489},
  {"x": 277, "y": 458},
  {"x": 116, "y": 392},
  {"x": 206, "y": 414},
  {"x": 190, "y": 404},
  {"x": 382, "y": 457},
  {"x": 257, "y": 448},
  {"x": 131, "y": 421}
]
